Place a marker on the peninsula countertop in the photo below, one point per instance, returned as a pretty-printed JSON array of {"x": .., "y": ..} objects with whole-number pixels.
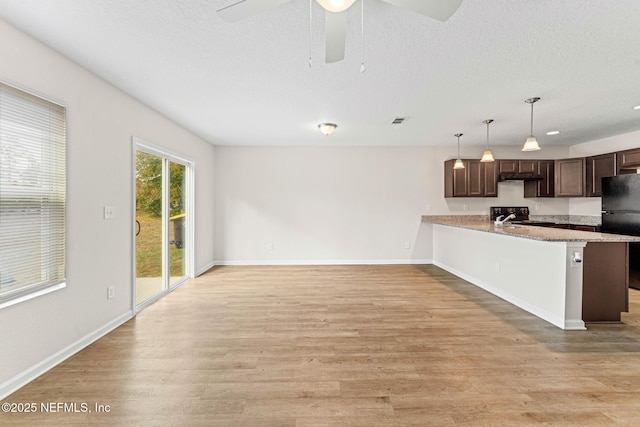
[{"x": 482, "y": 223}]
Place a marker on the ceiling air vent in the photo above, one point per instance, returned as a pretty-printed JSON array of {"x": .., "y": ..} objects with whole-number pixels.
[{"x": 398, "y": 120}]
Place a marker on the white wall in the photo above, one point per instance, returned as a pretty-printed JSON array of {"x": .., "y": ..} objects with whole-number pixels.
[
  {"x": 321, "y": 204},
  {"x": 343, "y": 204},
  {"x": 101, "y": 123}
]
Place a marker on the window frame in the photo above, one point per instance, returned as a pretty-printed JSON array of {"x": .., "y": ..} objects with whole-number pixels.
[{"x": 50, "y": 196}]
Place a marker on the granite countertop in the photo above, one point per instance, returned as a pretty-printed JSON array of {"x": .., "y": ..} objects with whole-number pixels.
[{"x": 482, "y": 223}]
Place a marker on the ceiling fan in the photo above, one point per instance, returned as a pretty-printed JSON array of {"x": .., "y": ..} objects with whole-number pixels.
[{"x": 336, "y": 19}]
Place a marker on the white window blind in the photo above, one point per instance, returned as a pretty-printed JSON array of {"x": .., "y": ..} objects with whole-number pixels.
[{"x": 32, "y": 193}]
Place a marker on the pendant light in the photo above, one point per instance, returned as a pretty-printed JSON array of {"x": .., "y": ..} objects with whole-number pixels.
[
  {"x": 458, "y": 164},
  {"x": 531, "y": 144},
  {"x": 487, "y": 156}
]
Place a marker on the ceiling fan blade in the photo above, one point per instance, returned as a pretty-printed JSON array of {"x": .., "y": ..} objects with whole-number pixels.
[
  {"x": 245, "y": 8},
  {"x": 436, "y": 9},
  {"x": 336, "y": 33}
]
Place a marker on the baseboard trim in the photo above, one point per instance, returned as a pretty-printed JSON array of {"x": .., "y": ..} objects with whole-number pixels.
[
  {"x": 326, "y": 262},
  {"x": 25, "y": 377},
  {"x": 206, "y": 268}
]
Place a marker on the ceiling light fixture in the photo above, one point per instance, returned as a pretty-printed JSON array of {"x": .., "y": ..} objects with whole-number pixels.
[
  {"x": 458, "y": 164},
  {"x": 327, "y": 128},
  {"x": 487, "y": 156},
  {"x": 637, "y": 107},
  {"x": 553, "y": 132},
  {"x": 531, "y": 144},
  {"x": 335, "y": 5}
]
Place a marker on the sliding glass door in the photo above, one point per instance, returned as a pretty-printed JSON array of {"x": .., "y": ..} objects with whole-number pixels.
[{"x": 162, "y": 223}]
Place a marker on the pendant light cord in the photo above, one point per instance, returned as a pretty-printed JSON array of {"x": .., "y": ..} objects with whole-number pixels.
[
  {"x": 532, "y": 119},
  {"x": 488, "y": 134}
]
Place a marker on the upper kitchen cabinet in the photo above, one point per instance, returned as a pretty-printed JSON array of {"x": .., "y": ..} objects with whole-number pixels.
[
  {"x": 569, "y": 177},
  {"x": 597, "y": 168},
  {"x": 475, "y": 180},
  {"x": 628, "y": 161},
  {"x": 516, "y": 166},
  {"x": 542, "y": 187},
  {"x": 490, "y": 176}
]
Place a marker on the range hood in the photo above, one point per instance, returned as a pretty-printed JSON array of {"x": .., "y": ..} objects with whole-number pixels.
[{"x": 519, "y": 176}]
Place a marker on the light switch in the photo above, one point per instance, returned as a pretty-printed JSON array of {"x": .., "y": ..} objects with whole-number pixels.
[{"x": 109, "y": 212}]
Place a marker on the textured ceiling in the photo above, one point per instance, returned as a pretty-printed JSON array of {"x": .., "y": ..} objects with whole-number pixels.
[{"x": 249, "y": 83}]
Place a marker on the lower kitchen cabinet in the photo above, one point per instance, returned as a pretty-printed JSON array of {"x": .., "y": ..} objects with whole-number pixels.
[{"x": 605, "y": 283}]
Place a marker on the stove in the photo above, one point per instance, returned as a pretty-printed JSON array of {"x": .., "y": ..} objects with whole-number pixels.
[{"x": 521, "y": 213}]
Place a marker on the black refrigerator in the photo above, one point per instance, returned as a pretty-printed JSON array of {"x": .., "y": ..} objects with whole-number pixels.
[{"x": 621, "y": 215}]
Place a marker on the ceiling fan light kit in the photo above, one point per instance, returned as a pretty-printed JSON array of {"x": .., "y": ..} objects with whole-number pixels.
[
  {"x": 336, "y": 19},
  {"x": 335, "y": 6}
]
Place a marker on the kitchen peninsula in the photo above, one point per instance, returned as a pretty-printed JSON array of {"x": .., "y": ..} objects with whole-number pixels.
[{"x": 566, "y": 277}]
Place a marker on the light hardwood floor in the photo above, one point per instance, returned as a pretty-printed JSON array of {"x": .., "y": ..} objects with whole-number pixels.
[{"x": 345, "y": 345}]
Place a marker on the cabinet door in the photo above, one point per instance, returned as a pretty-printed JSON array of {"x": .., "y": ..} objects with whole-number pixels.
[
  {"x": 628, "y": 161},
  {"x": 490, "y": 179},
  {"x": 475, "y": 178},
  {"x": 507, "y": 166},
  {"x": 527, "y": 166},
  {"x": 597, "y": 168},
  {"x": 569, "y": 177},
  {"x": 545, "y": 186},
  {"x": 455, "y": 180}
]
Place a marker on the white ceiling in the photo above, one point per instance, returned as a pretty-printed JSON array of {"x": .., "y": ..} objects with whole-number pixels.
[{"x": 249, "y": 83}]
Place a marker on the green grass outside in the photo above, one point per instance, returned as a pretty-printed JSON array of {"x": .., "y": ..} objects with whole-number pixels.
[{"x": 149, "y": 249}]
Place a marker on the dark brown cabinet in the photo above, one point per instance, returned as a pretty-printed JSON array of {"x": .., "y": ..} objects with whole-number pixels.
[
  {"x": 545, "y": 186},
  {"x": 516, "y": 166},
  {"x": 628, "y": 161},
  {"x": 597, "y": 168},
  {"x": 569, "y": 177},
  {"x": 477, "y": 179},
  {"x": 490, "y": 176},
  {"x": 605, "y": 283}
]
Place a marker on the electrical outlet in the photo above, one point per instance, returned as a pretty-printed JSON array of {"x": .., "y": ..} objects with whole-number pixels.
[
  {"x": 407, "y": 245},
  {"x": 428, "y": 208},
  {"x": 109, "y": 212},
  {"x": 270, "y": 246},
  {"x": 111, "y": 290}
]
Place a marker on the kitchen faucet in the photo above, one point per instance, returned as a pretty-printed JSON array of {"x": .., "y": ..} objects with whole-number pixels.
[{"x": 500, "y": 222}]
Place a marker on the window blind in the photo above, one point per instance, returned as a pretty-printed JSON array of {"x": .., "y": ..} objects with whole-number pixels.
[{"x": 32, "y": 193}]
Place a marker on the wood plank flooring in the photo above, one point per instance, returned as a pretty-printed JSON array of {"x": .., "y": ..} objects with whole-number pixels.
[{"x": 344, "y": 345}]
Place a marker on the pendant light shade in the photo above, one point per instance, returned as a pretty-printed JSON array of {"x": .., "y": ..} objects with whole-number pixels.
[
  {"x": 531, "y": 144},
  {"x": 458, "y": 163},
  {"x": 487, "y": 156}
]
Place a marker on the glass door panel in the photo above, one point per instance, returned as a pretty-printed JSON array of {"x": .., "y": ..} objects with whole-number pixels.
[
  {"x": 178, "y": 224},
  {"x": 149, "y": 226}
]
